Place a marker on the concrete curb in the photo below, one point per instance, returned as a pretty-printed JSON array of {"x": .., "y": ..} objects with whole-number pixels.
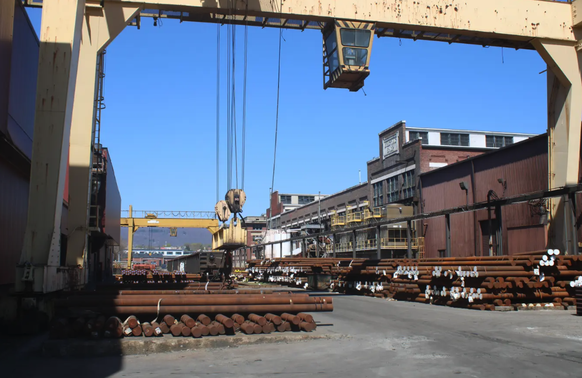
[{"x": 151, "y": 345}]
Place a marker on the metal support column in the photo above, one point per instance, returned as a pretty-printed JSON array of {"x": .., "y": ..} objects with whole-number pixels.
[
  {"x": 303, "y": 248},
  {"x": 333, "y": 244},
  {"x": 60, "y": 37},
  {"x": 574, "y": 226},
  {"x": 448, "y": 235},
  {"x": 354, "y": 253},
  {"x": 378, "y": 243},
  {"x": 98, "y": 31},
  {"x": 499, "y": 231},
  {"x": 409, "y": 247},
  {"x": 281, "y": 249},
  {"x": 564, "y": 128}
]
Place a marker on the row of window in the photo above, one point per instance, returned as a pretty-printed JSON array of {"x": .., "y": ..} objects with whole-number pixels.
[
  {"x": 393, "y": 190},
  {"x": 459, "y": 139},
  {"x": 286, "y": 199}
]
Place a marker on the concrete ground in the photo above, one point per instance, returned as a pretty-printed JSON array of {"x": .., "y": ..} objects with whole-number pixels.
[{"x": 368, "y": 338}]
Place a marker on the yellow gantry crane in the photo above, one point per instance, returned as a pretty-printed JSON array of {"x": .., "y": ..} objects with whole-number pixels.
[{"x": 74, "y": 32}]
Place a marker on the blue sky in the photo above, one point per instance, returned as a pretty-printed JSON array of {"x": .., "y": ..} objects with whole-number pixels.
[{"x": 160, "y": 90}]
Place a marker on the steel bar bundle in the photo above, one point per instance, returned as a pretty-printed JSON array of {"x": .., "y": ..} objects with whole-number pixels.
[
  {"x": 182, "y": 326},
  {"x": 539, "y": 278}
]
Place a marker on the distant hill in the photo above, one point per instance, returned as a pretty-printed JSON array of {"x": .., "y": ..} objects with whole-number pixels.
[{"x": 160, "y": 236}]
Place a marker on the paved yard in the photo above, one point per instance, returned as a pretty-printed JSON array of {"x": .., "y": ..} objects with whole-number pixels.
[{"x": 368, "y": 338}]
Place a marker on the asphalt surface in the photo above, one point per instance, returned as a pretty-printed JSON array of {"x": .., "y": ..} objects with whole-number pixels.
[{"x": 368, "y": 338}]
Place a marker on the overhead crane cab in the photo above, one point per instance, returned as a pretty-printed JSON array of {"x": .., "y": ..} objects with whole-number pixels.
[{"x": 347, "y": 47}]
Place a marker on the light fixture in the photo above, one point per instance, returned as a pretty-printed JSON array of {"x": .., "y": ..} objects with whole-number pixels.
[{"x": 464, "y": 185}]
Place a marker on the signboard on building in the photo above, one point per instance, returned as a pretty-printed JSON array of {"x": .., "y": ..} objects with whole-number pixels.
[{"x": 390, "y": 145}]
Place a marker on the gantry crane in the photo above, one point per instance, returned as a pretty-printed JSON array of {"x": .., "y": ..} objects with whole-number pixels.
[{"x": 74, "y": 32}]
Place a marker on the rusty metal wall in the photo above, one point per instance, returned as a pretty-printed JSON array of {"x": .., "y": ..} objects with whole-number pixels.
[
  {"x": 523, "y": 167},
  {"x": 112, "y": 213},
  {"x": 23, "y": 74}
]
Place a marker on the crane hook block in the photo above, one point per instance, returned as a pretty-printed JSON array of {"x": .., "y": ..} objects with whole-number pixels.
[
  {"x": 235, "y": 198},
  {"x": 222, "y": 211}
]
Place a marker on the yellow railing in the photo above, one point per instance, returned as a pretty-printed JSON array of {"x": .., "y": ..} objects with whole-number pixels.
[
  {"x": 371, "y": 244},
  {"x": 338, "y": 220},
  {"x": 375, "y": 212},
  {"x": 355, "y": 216}
]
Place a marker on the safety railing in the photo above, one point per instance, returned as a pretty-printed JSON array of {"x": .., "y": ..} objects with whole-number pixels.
[
  {"x": 375, "y": 212},
  {"x": 355, "y": 216},
  {"x": 338, "y": 220}
]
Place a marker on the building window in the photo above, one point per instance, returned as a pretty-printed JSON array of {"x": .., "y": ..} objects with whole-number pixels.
[
  {"x": 408, "y": 184},
  {"x": 306, "y": 199},
  {"x": 378, "y": 194},
  {"x": 286, "y": 200},
  {"x": 392, "y": 189},
  {"x": 442, "y": 252},
  {"x": 414, "y": 135},
  {"x": 259, "y": 227},
  {"x": 449, "y": 139},
  {"x": 498, "y": 140}
]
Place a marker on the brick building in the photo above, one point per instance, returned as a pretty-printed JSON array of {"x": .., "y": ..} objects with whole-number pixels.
[{"x": 404, "y": 154}]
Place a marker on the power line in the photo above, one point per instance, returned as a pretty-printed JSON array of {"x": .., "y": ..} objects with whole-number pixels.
[
  {"x": 217, "y": 112},
  {"x": 277, "y": 114}
]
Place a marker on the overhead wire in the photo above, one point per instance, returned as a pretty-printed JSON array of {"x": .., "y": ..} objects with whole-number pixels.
[
  {"x": 278, "y": 92},
  {"x": 217, "y": 112}
]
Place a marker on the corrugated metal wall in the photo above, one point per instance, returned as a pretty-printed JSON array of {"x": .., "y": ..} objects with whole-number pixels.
[
  {"x": 18, "y": 82},
  {"x": 523, "y": 167},
  {"x": 113, "y": 203}
]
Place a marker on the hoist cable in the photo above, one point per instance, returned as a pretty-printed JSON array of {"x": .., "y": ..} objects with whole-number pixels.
[
  {"x": 217, "y": 112},
  {"x": 277, "y": 113},
  {"x": 244, "y": 120},
  {"x": 234, "y": 128},
  {"x": 228, "y": 111}
]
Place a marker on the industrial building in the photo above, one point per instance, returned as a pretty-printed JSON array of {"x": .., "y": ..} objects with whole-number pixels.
[{"x": 395, "y": 186}]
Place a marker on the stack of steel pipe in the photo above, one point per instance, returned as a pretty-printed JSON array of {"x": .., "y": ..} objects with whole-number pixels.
[
  {"x": 113, "y": 304},
  {"x": 183, "y": 326},
  {"x": 200, "y": 285},
  {"x": 144, "y": 276},
  {"x": 533, "y": 279},
  {"x": 291, "y": 271}
]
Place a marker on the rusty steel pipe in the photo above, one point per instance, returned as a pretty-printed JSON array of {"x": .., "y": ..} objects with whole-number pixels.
[
  {"x": 306, "y": 317},
  {"x": 185, "y": 330},
  {"x": 225, "y": 321},
  {"x": 203, "y": 319},
  {"x": 124, "y": 310},
  {"x": 164, "y": 327},
  {"x": 239, "y": 319},
  {"x": 307, "y": 326},
  {"x": 276, "y": 320},
  {"x": 188, "y": 321},
  {"x": 293, "y": 319},
  {"x": 157, "y": 329},
  {"x": 169, "y": 320},
  {"x": 131, "y": 321},
  {"x": 203, "y": 329},
  {"x": 257, "y": 319},
  {"x": 196, "y": 331},
  {"x": 176, "y": 329},
  {"x": 188, "y": 300},
  {"x": 148, "y": 330}
]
